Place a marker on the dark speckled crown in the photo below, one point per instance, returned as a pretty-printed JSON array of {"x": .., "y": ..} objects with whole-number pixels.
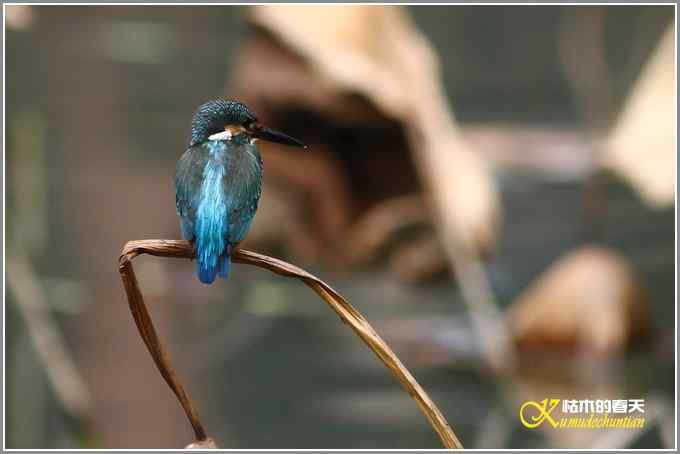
[{"x": 211, "y": 117}]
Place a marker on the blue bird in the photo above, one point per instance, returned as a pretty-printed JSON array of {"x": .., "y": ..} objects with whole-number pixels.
[{"x": 218, "y": 182}]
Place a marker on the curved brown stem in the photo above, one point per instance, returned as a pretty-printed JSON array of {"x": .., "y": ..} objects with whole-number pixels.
[
  {"x": 347, "y": 313},
  {"x": 145, "y": 326}
]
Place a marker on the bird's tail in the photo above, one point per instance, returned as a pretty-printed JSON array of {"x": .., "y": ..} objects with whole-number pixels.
[
  {"x": 208, "y": 270},
  {"x": 211, "y": 228}
]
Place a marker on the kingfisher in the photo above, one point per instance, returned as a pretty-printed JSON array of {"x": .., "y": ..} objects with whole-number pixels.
[{"x": 218, "y": 182}]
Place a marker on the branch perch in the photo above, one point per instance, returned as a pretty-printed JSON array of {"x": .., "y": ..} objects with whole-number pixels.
[{"x": 347, "y": 313}]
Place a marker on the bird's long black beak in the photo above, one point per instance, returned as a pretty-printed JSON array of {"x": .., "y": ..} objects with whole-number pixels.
[{"x": 270, "y": 135}]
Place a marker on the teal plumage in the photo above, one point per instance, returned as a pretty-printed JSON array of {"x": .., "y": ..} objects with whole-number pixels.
[{"x": 218, "y": 182}]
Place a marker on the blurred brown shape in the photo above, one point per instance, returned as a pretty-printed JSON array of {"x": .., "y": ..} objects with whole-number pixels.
[
  {"x": 587, "y": 302},
  {"x": 641, "y": 147},
  {"x": 420, "y": 260},
  {"x": 19, "y": 17},
  {"x": 361, "y": 86},
  {"x": 384, "y": 224}
]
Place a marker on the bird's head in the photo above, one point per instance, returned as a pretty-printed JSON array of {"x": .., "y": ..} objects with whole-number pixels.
[{"x": 222, "y": 115}]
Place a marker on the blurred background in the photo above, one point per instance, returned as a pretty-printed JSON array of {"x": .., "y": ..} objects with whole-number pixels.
[{"x": 492, "y": 187}]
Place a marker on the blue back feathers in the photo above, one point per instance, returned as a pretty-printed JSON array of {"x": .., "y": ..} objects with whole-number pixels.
[
  {"x": 211, "y": 228},
  {"x": 218, "y": 186}
]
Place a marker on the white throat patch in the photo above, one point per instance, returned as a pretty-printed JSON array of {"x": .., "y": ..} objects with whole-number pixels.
[
  {"x": 224, "y": 135},
  {"x": 229, "y": 132}
]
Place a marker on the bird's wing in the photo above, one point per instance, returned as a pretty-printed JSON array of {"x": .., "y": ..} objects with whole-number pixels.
[
  {"x": 188, "y": 181},
  {"x": 243, "y": 187}
]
